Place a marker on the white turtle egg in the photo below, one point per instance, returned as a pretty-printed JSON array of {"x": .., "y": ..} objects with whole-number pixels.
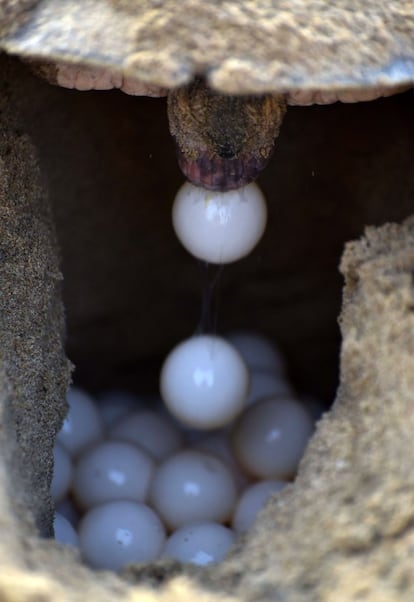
[
  {"x": 62, "y": 473},
  {"x": 219, "y": 227},
  {"x": 151, "y": 430},
  {"x": 112, "y": 470},
  {"x": 252, "y": 501},
  {"x": 258, "y": 351},
  {"x": 204, "y": 382},
  {"x": 115, "y": 404},
  {"x": 199, "y": 543},
  {"x": 267, "y": 384},
  {"x": 64, "y": 532},
  {"x": 68, "y": 510},
  {"x": 119, "y": 533},
  {"x": 270, "y": 437},
  {"x": 83, "y": 424},
  {"x": 218, "y": 444},
  {"x": 193, "y": 486}
]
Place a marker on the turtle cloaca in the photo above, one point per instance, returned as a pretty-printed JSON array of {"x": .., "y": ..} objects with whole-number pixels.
[{"x": 223, "y": 141}]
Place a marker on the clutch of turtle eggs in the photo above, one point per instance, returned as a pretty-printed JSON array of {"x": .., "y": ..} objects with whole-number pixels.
[{"x": 145, "y": 483}]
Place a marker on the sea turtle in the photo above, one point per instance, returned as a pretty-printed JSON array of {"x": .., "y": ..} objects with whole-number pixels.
[
  {"x": 301, "y": 52},
  {"x": 339, "y": 537}
]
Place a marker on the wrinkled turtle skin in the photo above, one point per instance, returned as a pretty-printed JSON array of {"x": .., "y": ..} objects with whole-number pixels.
[
  {"x": 223, "y": 141},
  {"x": 297, "y": 52}
]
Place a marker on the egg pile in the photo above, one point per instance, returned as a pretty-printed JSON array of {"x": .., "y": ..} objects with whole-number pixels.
[
  {"x": 132, "y": 484},
  {"x": 184, "y": 475}
]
